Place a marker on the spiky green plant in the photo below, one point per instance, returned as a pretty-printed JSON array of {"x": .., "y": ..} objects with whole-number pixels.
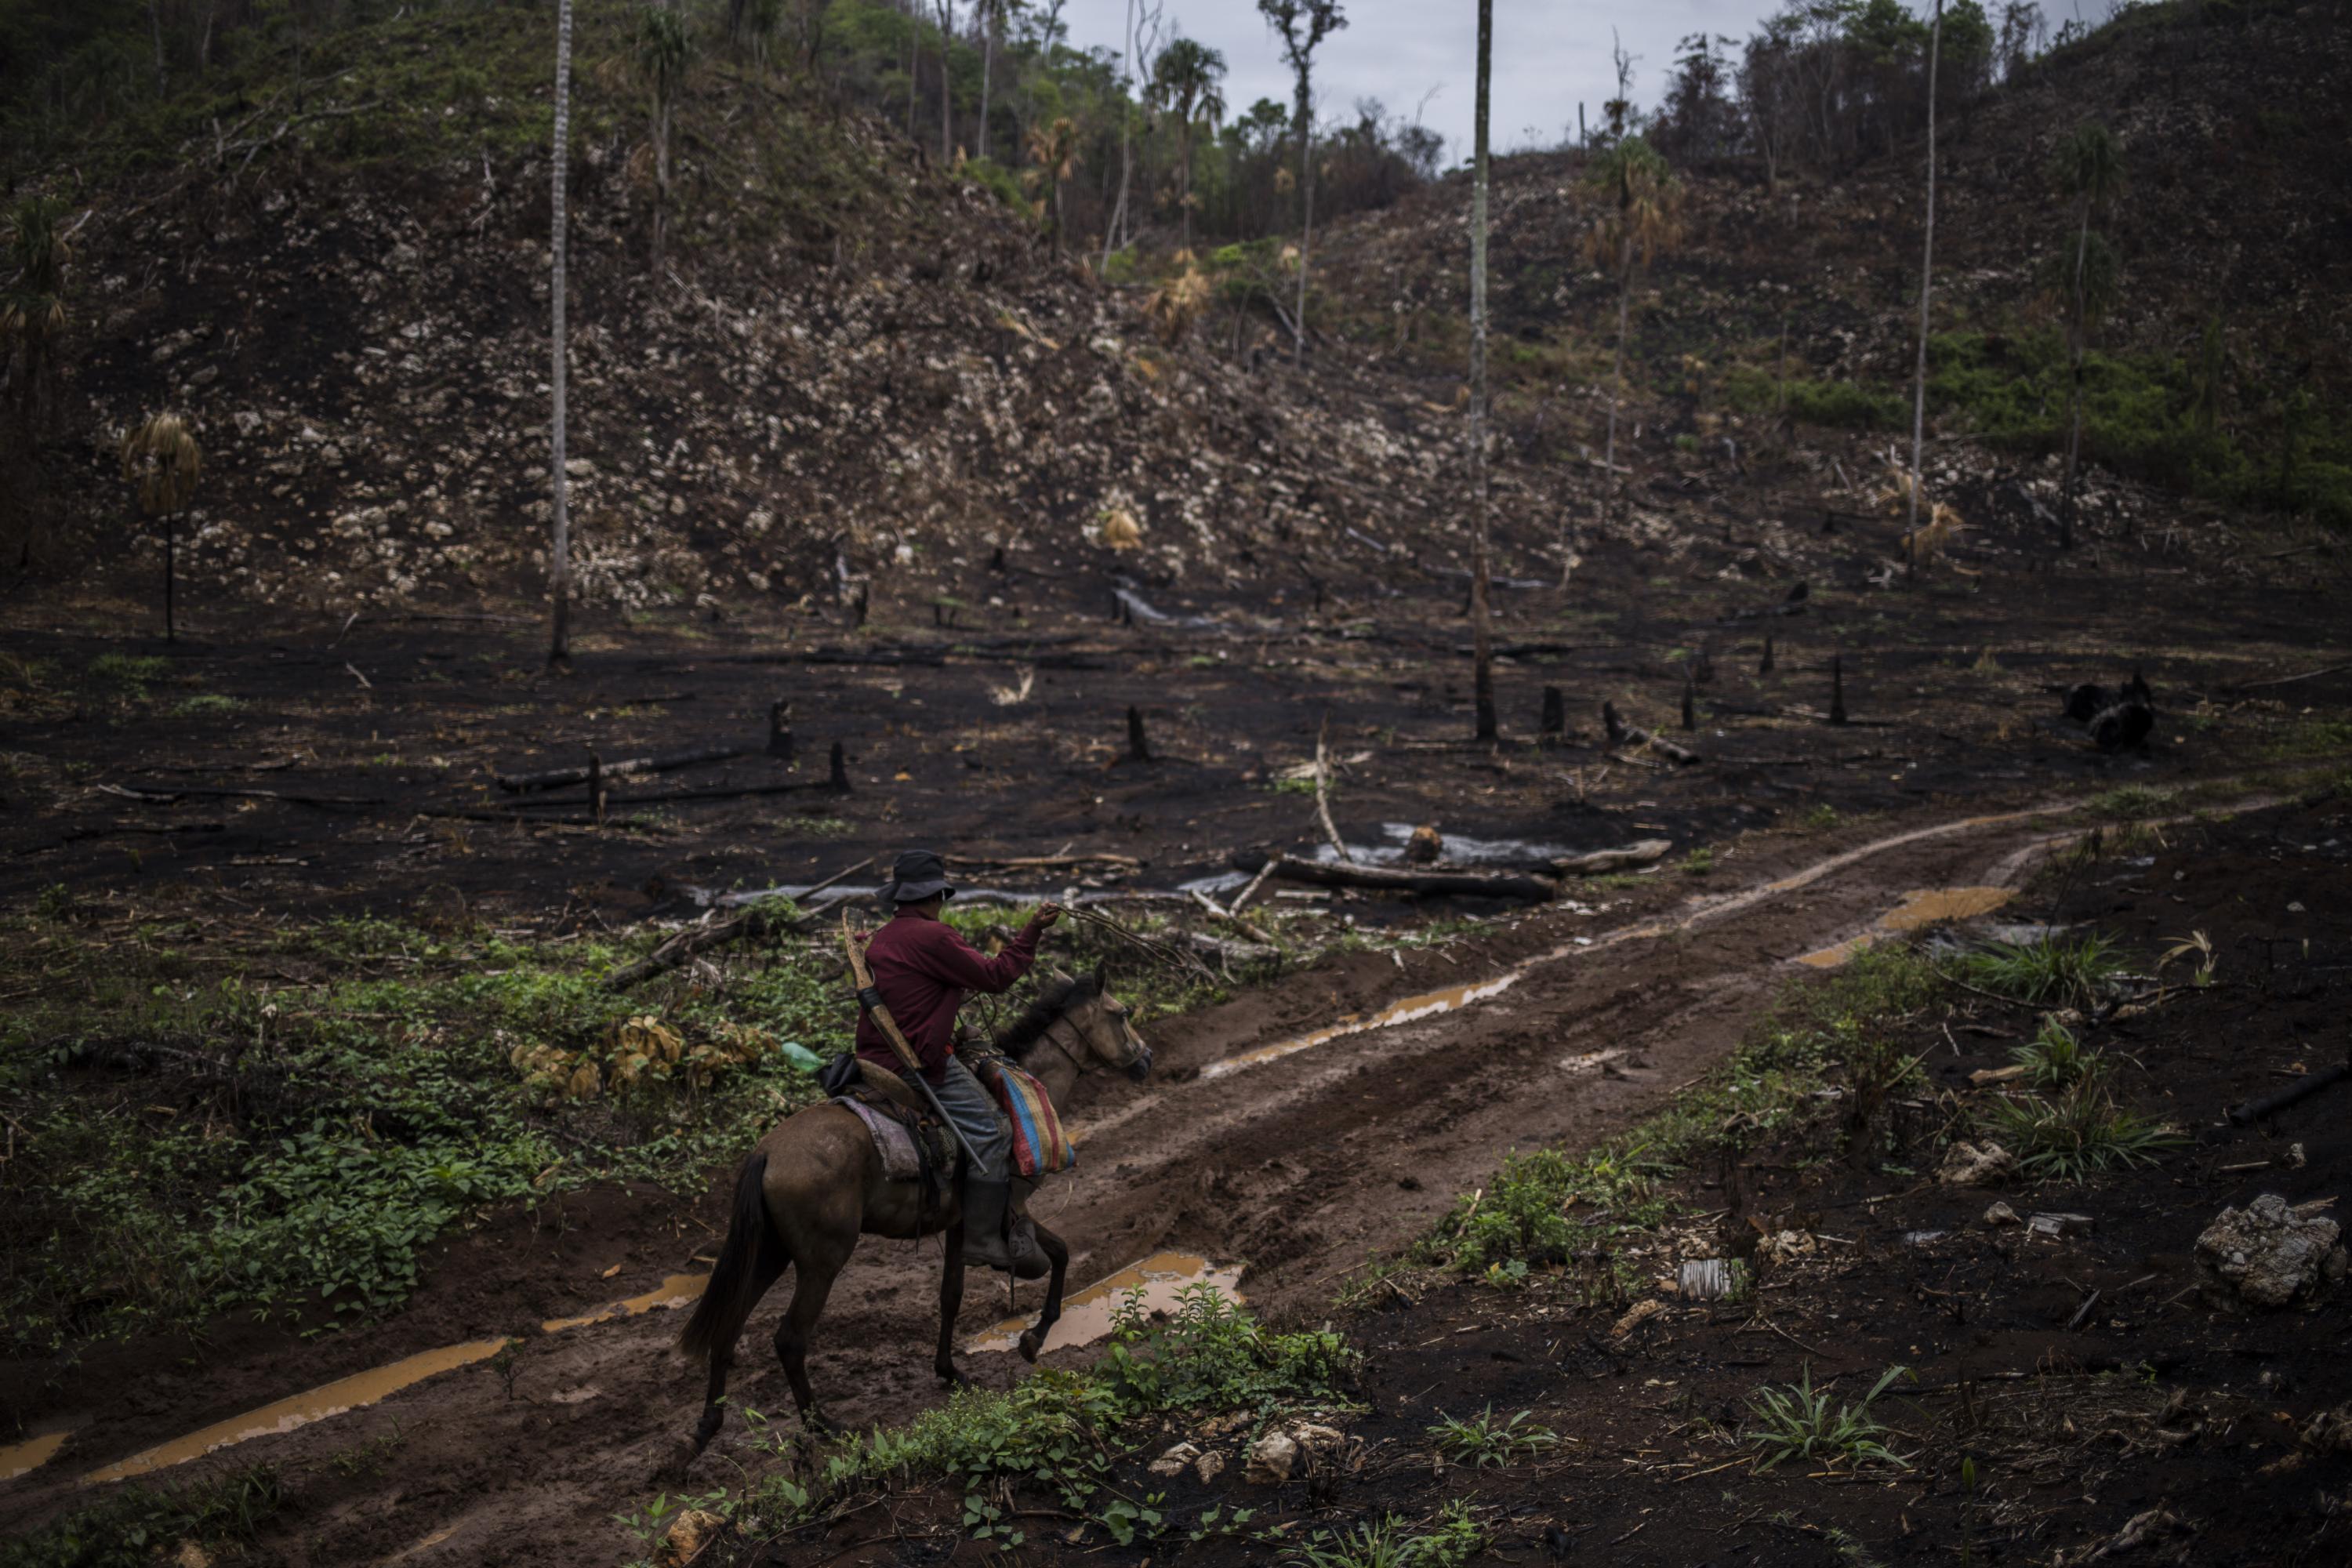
[
  {"x": 661, "y": 48},
  {"x": 33, "y": 308},
  {"x": 2074, "y": 1134},
  {"x": 2056, "y": 1059},
  {"x": 1798, "y": 1422},
  {"x": 2048, "y": 972},
  {"x": 2088, "y": 166},
  {"x": 1483, "y": 1441},
  {"x": 161, "y": 459}
]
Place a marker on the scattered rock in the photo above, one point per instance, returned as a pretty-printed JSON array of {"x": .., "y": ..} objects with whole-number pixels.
[
  {"x": 2161, "y": 1532},
  {"x": 1423, "y": 848},
  {"x": 1209, "y": 1467},
  {"x": 2330, "y": 1431},
  {"x": 689, "y": 1534},
  {"x": 1176, "y": 1459},
  {"x": 1319, "y": 1439},
  {"x": 2002, "y": 1214},
  {"x": 2269, "y": 1254},
  {"x": 1642, "y": 1312},
  {"x": 1787, "y": 1246},
  {"x": 1967, "y": 1166},
  {"x": 2055, "y": 1225},
  {"x": 1271, "y": 1460}
]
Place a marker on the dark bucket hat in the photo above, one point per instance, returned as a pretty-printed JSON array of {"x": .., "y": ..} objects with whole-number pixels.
[{"x": 917, "y": 875}]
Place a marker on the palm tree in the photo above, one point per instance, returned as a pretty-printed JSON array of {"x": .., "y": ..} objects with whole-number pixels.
[
  {"x": 2089, "y": 167},
  {"x": 1187, "y": 84},
  {"x": 33, "y": 309},
  {"x": 162, "y": 457},
  {"x": 1055, "y": 150},
  {"x": 1643, "y": 216},
  {"x": 1304, "y": 25},
  {"x": 947, "y": 80},
  {"x": 1926, "y": 275},
  {"x": 559, "y": 572},
  {"x": 1481, "y": 629},
  {"x": 992, "y": 13},
  {"x": 662, "y": 48}
]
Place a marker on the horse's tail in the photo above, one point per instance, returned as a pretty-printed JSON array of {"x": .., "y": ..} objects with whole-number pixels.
[{"x": 750, "y": 1259}]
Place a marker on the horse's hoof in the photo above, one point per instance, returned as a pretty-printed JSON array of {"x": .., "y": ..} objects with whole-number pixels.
[
  {"x": 819, "y": 1424},
  {"x": 1031, "y": 1342},
  {"x": 672, "y": 1470},
  {"x": 953, "y": 1377}
]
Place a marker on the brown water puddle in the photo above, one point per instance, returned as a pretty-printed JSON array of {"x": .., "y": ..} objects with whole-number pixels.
[
  {"x": 350, "y": 1392},
  {"x": 1920, "y": 907},
  {"x": 677, "y": 1290},
  {"x": 21, "y": 1458},
  {"x": 1086, "y": 1315},
  {"x": 1429, "y": 1005}
]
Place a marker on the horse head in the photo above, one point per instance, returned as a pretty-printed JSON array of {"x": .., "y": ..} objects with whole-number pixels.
[{"x": 1104, "y": 1023}]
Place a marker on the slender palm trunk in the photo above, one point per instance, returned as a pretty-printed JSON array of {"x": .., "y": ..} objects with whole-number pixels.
[
  {"x": 1617, "y": 374},
  {"x": 946, "y": 91},
  {"x": 1481, "y": 627},
  {"x": 559, "y": 574},
  {"x": 1306, "y": 216},
  {"x": 171, "y": 571},
  {"x": 1125, "y": 147},
  {"x": 661, "y": 171},
  {"x": 1927, "y": 276},
  {"x": 2074, "y": 387},
  {"x": 155, "y": 20},
  {"x": 987, "y": 71},
  {"x": 1184, "y": 182}
]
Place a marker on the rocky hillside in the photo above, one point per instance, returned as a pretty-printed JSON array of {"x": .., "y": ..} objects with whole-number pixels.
[
  {"x": 852, "y": 362},
  {"x": 848, "y": 357},
  {"x": 2232, "y": 217}
]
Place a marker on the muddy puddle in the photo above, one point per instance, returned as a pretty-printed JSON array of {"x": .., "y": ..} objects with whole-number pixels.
[
  {"x": 353, "y": 1392},
  {"x": 1087, "y": 1314},
  {"x": 1921, "y": 907},
  {"x": 23, "y": 1459},
  {"x": 677, "y": 1290}
]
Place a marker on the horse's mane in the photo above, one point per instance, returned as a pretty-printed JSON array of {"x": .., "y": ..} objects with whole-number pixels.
[{"x": 1057, "y": 997}]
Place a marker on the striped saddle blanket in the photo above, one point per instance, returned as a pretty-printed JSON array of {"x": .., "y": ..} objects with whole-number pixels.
[{"x": 1040, "y": 1147}]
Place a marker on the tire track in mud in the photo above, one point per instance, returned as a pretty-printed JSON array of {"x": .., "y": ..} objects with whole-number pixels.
[{"x": 1297, "y": 1166}]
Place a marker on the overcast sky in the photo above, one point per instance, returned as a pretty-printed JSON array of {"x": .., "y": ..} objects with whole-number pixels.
[{"x": 1549, "y": 54}]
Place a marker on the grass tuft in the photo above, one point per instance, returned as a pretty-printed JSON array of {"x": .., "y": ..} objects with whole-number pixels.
[
  {"x": 2074, "y": 1134},
  {"x": 1483, "y": 1441},
  {"x": 2048, "y": 972},
  {"x": 1798, "y": 1422}
]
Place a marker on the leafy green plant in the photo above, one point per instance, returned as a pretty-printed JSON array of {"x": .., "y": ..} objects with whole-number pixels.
[
  {"x": 1482, "y": 1441},
  {"x": 2198, "y": 943},
  {"x": 2051, "y": 971},
  {"x": 2056, "y": 1060},
  {"x": 1129, "y": 1521},
  {"x": 135, "y": 1527},
  {"x": 2130, "y": 803},
  {"x": 1698, "y": 862},
  {"x": 1453, "y": 1537},
  {"x": 1216, "y": 1523},
  {"x": 1797, "y": 1421},
  {"x": 2076, "y": 1134}
]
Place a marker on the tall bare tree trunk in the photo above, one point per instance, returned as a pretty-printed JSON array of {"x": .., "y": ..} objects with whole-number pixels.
[
  {"x": 1184, "y": 190},
  {"x": 1481, "y": 627},
  {"x": 155, "y": 20},
  {"x": 987, "y": 68},
  {"x": 1927, "y": 277},
  {"x": 559, "y": 572},
  {"x": 2075, "y": 386},
  {"x": 1305, "y": 215},
  {"x": 1125, "y": 145},
  {"x": 914, "y": 58},
  {"x": 1617, "y": 374},
  {"x": 947, "y": 94}
]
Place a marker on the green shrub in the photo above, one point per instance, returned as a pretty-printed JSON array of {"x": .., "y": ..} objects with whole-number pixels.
[{"x": 134, "y": 1527}]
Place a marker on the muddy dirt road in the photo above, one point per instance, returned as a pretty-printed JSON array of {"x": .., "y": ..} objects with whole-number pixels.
[{"x": 1248, "y": 1149}]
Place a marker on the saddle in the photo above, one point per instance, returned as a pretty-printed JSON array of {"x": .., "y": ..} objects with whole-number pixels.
[{"x": 914, "y": 1143}]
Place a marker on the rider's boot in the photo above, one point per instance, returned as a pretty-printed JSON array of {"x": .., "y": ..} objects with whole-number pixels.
[{"x": 985, "y": 1241}]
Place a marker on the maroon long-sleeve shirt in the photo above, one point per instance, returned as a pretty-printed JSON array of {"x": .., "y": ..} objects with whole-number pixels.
[{"x": 924, "y": 970}]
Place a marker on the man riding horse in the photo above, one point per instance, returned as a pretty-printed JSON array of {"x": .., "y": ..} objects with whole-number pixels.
[
  {"x": 924, "y": 972},
  {"x": 818, "y": 1181}
]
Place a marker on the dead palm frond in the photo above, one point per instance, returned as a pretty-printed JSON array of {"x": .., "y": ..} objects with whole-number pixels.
[
  {"x": 1176, "y": 304},
  {"x": 162, "y": 457}
]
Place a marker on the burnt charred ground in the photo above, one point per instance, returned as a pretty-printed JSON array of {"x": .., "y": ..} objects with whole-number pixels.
[
  {"x": 2078, "y": 1395},
  {"x": 369, "y": 747}
]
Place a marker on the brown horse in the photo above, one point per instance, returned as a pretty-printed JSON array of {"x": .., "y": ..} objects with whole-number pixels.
[{"x": 814, "y": 1184}]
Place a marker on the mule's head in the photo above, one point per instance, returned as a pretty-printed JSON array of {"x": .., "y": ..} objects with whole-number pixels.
[{"x": 1104, "y": 1023}]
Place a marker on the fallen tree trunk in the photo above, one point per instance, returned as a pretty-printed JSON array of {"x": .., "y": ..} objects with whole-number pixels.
[
  {"x": 697, "y": 940},
  {"x": 556, "y": 778},
  {"x": 1427, "y": 882},
  {"x": 1623, "y": 734},
  {"x": 1605, "y": 860},
  {"x": 1047, "y": 862},
  {"x": 162, "y": 795}
]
